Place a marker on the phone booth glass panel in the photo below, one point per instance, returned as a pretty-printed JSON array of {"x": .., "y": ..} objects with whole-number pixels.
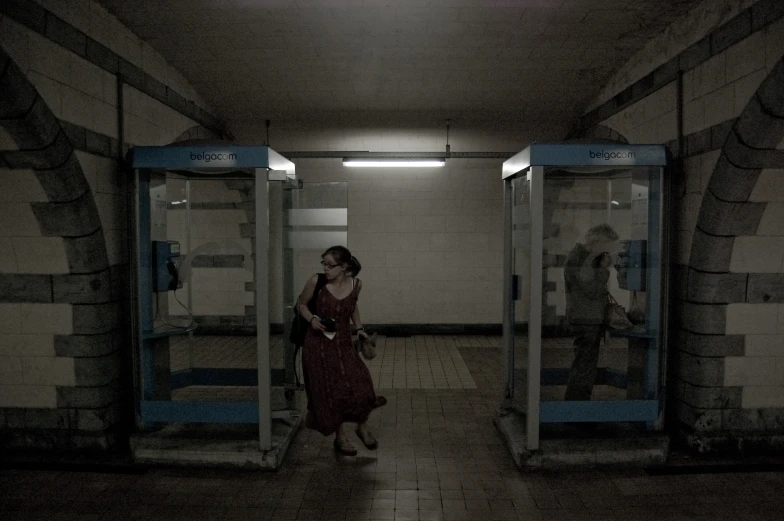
[
  {"x": 209, "y": 221},
  {"x": 585, "y": 236}
]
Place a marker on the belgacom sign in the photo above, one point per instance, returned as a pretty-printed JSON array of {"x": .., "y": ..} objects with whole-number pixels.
[
  {"x": 608, "y": 155},
  {"x": 214, "y": 156}
]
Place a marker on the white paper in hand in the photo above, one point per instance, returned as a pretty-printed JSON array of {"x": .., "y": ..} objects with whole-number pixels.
[{"x": 330, "y": 335}]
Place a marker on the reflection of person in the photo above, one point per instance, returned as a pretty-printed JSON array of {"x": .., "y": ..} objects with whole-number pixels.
[
  {"x": 586, "y": 274},
  {"x": 337, "y": 382}
]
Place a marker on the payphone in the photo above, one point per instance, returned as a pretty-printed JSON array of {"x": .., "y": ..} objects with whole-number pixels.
[
  {"x": 166, "y": 262},
  {"x": 630, "y": 265}
]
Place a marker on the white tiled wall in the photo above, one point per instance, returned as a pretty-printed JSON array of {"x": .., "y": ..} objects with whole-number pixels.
[
  {"x": 772, "y": 223},
  {"x": 148, "y": 122},
  {"x": 18, "y": 220},
  {"x": 752, "y": 319},
  {"x": 81, "y": 93},
  {"x": 30, "y": 344},
  {"x": 35, "y": 396},
  {"x": 108, "y": 187},
  {"x": 769, "y": 187},
  {"x": 95, "y": 21},
  {"x": 774, "y": 44},
  {"x": 716, "y": 91},
  {"x": 762, "y": 396},
  {"x": 218, "y": 291},
  {"x": 758, "y": 255},
  {"x": 761, "y": 371},
  {"x": 429, "y": 240},
  {"x": 24, "y": 250},
  {"x": 704, "y": 18},
  {"x": 29, "y": 369},
  {"x": 720, "y": 88},
  {"x": 20, "y": 186},
  {"x": 27, "y": 319},
  {"x": 213, "y": 291},
  {"x": 651, "y": 120}
]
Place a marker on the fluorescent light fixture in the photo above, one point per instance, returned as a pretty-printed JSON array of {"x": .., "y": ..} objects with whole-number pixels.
[{"x": 393, "y": 163}]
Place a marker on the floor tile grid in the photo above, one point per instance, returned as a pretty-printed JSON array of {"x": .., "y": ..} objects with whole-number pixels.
[
  {"x": 428, "y": 362},
  {"x": 419, "y": 362},
  {"x": 440, "y": 458}
]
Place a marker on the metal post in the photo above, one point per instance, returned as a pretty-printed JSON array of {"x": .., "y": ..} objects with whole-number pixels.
[
  {"x": 136, "y": 306},
  {"x": 144, "y": 288},
  {"x": 536, "y": 185},
  {"x": 665, "y": 228},
  {"x": 655, "y": 276},
  {"x": 509, "y": 307},
  {"x": 288, "y": 292},
  {"x": 144, "y": 259},
  {"x": 262, "y": 308},
  {"x": 188, "y": 238}
]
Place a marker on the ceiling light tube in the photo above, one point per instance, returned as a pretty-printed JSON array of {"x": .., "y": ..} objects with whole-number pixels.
[{"x": 393, "y": 163}]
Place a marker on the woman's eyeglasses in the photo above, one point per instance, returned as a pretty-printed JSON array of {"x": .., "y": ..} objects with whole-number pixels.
[{"x": 329, "y": 266}]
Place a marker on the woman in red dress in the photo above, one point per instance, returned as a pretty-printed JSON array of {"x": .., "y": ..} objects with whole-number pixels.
[{"x": 337, "y": 382}]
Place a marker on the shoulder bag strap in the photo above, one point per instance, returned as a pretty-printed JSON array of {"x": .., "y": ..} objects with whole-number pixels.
[{"x": 320, "y": 283}]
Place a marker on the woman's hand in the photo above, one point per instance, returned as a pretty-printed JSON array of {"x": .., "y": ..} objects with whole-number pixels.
[
  {"x": 363, "y": 334},
  {"x": 316, "y": 324}
]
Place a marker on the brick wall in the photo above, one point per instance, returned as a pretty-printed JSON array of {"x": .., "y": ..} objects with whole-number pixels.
[
  {"x": 415, "y": 231},
  {"x": 727, "y": 345},
  {"x": 217, "y": 241},
  {"x": 64, "y": 223}
]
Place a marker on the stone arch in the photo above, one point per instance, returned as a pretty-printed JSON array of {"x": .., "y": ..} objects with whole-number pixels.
[
  {"x": 726, "y": 213},
  {"x": 197, "y": 133},
  {"x": 597, "y": 134},
  {"x": 86, "y": 413},
  {"x": 71, "y": 211}
]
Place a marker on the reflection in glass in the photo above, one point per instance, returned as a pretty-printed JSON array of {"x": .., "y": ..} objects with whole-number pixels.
[{"x": 596, "y": 241}]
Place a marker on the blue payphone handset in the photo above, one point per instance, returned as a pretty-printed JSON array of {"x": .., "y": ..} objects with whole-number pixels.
[
  {"x": 630, "y": 265},
  {"x": 166, "y": 263}
]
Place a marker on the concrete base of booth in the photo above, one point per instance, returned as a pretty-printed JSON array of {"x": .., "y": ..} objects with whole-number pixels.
[
  {"x": 623, "y": 450},
  {"x": 211, "y": 445}
]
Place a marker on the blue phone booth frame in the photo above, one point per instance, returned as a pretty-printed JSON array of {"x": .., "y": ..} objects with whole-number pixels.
[
  {"x": 260, "y": 163},
  {"x": 648, "y": 403}
]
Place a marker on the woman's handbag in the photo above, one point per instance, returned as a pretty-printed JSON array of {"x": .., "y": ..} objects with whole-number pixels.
[
  {"x": 366, "y": 346},
  {"x": 299, "y": 326},
  {"x": 615, "y": 315}
]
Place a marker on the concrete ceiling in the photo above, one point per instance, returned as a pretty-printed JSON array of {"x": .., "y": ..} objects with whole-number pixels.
[{"x": 523, "y": 61}]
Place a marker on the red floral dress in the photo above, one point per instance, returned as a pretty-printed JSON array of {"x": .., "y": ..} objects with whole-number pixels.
[{"x": 337, "y": 382}]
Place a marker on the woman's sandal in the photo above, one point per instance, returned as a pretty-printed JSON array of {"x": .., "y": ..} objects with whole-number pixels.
[
  {"x": 371, "y": 444},
  {"x": 344, "y": 447}
]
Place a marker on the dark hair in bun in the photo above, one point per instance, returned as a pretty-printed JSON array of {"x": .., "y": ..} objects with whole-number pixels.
[{"x": 342, "y": 255}]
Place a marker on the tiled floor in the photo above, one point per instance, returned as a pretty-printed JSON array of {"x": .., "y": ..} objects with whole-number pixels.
[
  {"x": 440, "y": 458},
  {"x": 418, "y": 362},
  {"x": 236, "y": 352},
  {"x": 424, "y": 362}
]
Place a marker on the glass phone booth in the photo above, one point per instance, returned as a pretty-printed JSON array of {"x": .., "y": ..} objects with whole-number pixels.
[
  {"x": 209, "y": 223},
  {"x": 584, "y": 226}
]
